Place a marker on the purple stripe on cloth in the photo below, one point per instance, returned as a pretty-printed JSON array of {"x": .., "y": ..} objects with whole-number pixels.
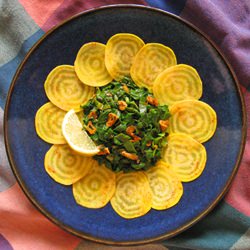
[
  {"x": 4, "y": 244},
  {"x": 227, "y": 23}
]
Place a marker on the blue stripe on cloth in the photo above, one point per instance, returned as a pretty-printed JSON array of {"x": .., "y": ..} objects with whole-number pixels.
[
  {"x": 219, "y": 230},
  {"x": 8, "y": 70},
  {"x": 7, "y": 178},
  {"x": 173, "y": 6},
  {"x": 4, "y": 244}
]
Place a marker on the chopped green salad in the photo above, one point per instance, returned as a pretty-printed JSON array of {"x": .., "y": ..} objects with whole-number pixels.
[{"x": 128, "y": 124}]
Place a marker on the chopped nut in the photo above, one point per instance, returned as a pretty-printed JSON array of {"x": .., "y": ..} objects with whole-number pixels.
[
  {"x": 135, "y": 138},
  {"x": 104, "y": 151},
  {"x": 130, "y": 130},
  {"x": 91, "y": 128},
  {"x": 164, "y": 124},
  {"x": 130, "y": 156},
  {"x": 151, "y": 100},
  {"x": 92, "y": 114},
  {"x": 122, "y": 105},
  {"x": 125, "y": 88},
  {"x": 112, "y": 118}
]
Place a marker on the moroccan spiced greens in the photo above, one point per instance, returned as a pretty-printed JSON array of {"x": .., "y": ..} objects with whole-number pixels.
[{"x": 129, "y": 125}]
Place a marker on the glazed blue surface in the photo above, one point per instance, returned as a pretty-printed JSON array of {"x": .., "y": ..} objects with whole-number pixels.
[{"x": 60, "y": 47}]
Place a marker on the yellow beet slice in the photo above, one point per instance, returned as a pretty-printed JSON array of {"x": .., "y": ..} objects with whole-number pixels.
[
  {"x": 177, "y": 83},
  {"x": 185, "y": 156},
  {"x": 96, "y": 188},
  {"x": 120, "y": 52},
  {"x": 149, "y": 62},
  {"x": 133, "y": 197},
  {"x": 90, "y": 65},
  {"x": 48, "y": 123},
  {"x": 65, "y": 90},
  {"x": 165, "y": 185},
  {"x": 193, "y": 117},
  {"x": 65, "y": 166}
]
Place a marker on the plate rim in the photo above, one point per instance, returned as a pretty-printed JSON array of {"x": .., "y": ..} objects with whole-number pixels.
[{"x": 152, "y": 239}]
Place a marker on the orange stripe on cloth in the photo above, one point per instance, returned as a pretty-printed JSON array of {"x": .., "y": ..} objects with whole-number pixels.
[
  {"x": 39, "y": 10},
  {"x": 25, "y": 228}
]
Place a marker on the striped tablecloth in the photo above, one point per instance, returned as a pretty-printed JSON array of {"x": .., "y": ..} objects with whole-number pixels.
[{"x": 23, "y": 22}]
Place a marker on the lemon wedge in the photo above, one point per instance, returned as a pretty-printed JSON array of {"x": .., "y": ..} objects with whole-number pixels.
[{"x": 76, "y": 137}]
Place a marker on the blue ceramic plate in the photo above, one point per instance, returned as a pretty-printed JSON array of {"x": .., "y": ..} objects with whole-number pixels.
[{"x": 26, "y": 151}]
